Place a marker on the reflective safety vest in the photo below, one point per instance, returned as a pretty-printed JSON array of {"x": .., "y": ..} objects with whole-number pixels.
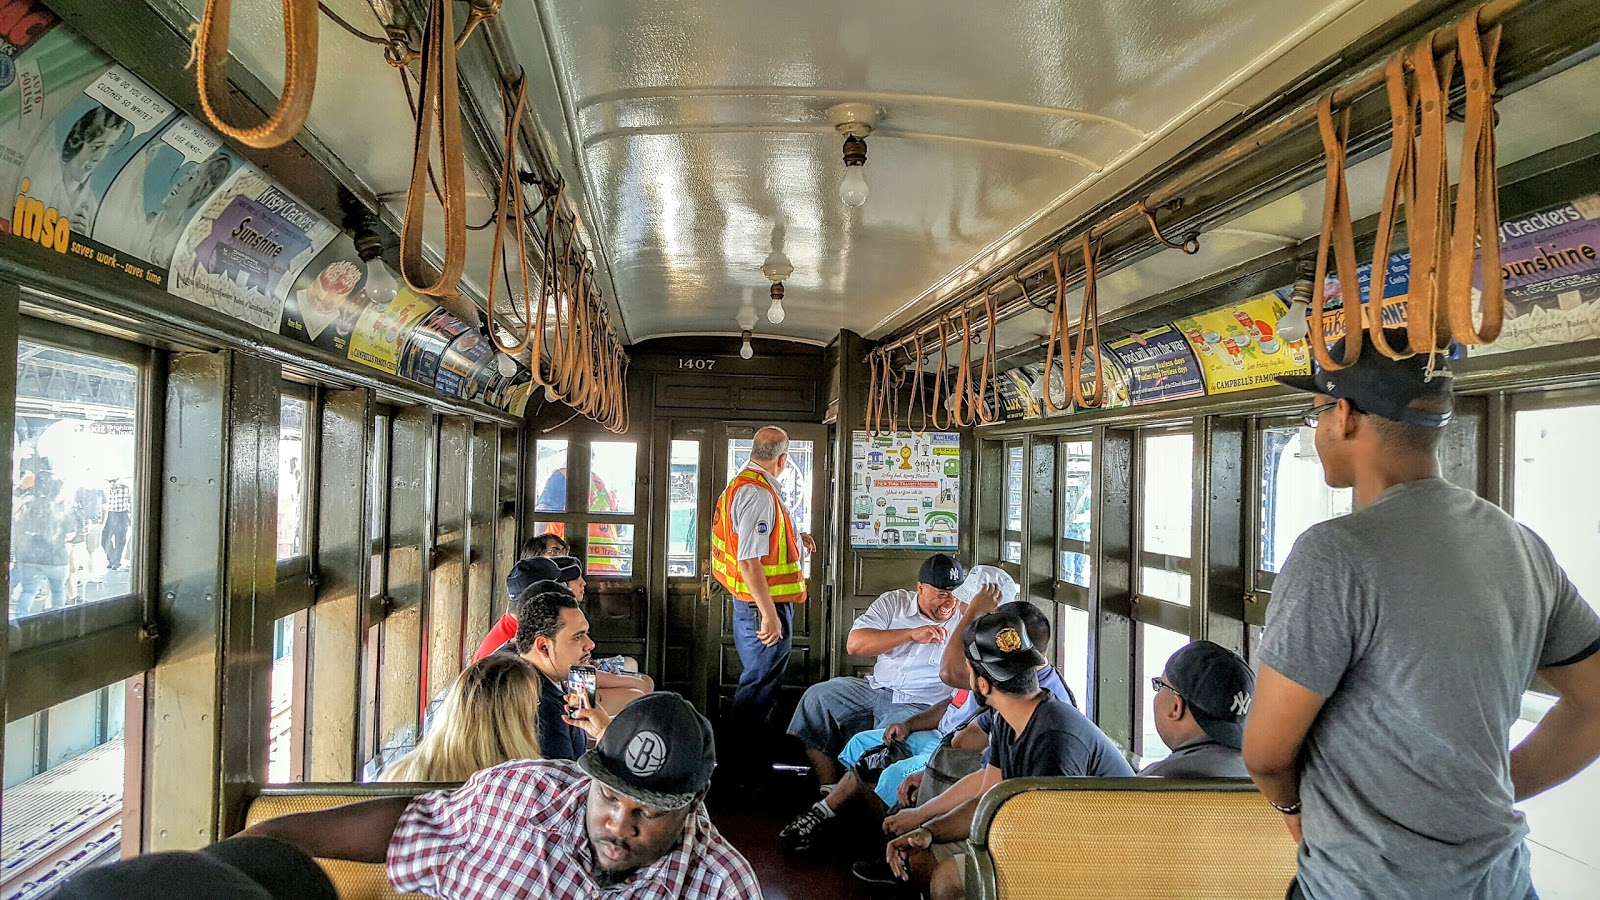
[{"x": 785, "y": 581}]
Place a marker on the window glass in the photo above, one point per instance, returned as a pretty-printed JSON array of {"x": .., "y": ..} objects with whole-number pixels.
[
  {"x": 1072, "y": 629},
  {"x": 550, "y": 474},
  {"x": 610, "y": 550},
  {"x": 378, "y": 500},
  {"x": 1554, "y": 491},
  {"x": 281, "y": 723},
  {"x": 1077, "y": 502},
  {"x": 683, "y": 495},
  {"x": 613, "y": 466},
  {"x": 291, "y": 477},
  {"x": 1156, "y": 646},
  {"x": 559, "y": 529},
  {"x": 75, "y": 496},
  {"x": 63, "y": 787},
  {"x": 1167, "y": 501},
  {"x": 794, "y": 485},
  {"x": 1294, "y": 495},
  {"x": 1163, "y": 584},
  {"x": 1014, "y": 488}
]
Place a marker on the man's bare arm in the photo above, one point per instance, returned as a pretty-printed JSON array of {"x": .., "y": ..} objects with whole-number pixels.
[{"x": 358, "y": 831}]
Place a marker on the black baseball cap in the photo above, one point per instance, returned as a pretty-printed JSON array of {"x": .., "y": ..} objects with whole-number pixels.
[
  {"x": 1218, "y": 685},
  {"x": 560, "y": 569},
  {"x": 997, "y": 645},
  {"x": 1376, "y": 384},
  {"x": 941, "y": 571},
  {"x": 235, "y": 869},
  {"x": 658, "y": 751}
]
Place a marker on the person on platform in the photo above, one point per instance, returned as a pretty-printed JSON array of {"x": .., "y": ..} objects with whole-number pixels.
[{"x": 756, "y": 559}]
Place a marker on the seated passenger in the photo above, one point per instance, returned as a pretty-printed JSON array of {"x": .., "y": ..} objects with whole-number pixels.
[
  {"x": 488, "y": 717},
  {"x": 527, "y": 572},
  {"x": 548, "y": 544},
  {"x": 245, "y": 868},
  {"x": 1200, "y": 704},
  {"x": 553, "y": 635},
  {"x": 1035, "y": 735},
  {"x": 906, "y": 631},
  {"x": 626, "y": 822}
]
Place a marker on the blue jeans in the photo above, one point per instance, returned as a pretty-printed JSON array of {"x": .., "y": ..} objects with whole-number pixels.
[
  {"x": 836, "y": 710},
  {"x": 30, "y": 576},
  {"x": 763, "y": 666}
]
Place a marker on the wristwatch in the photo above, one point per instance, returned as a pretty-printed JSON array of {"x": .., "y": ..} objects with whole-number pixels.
[{"x": 1292, "y": 809}]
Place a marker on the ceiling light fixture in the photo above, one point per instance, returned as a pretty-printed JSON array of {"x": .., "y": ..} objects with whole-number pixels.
[
  {"x": 381, "y": 286},
  {"x": 745, "y": 351},
  {"x": 746, "y": 321},
  {"x": 776, "y": 268},
  {"x": 855, "y": 121},
  {"x": 1293, "y": 327}
]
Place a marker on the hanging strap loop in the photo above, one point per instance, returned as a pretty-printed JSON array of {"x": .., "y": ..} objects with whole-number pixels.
[
  {"x": 509, "y": 210},
  {"x": 1400, "y": 187},
  {"x": 1477, "y": 223},
  {"x": 1339, "y": 237},
  {"x": 1088, "y": 333},
  {"x": 1057, "y": 343},
  {"x": 300, "y": 30},
  {"x": 1427, "y": 319},
  {"x": 440, "y": 101}
]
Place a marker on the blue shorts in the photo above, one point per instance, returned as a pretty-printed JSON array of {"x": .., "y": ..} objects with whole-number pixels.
[
  {"x": 922, "y": 744},
  {"x": 831, "y": 712}
]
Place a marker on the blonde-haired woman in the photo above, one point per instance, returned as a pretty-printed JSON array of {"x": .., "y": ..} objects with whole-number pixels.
[{"x": 487, "y": 718}]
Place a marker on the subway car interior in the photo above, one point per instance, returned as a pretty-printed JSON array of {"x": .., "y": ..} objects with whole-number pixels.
[{"x": 322, "y": 311}]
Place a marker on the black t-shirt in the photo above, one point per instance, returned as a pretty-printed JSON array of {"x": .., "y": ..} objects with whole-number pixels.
[
  {"x": 1058, "y": 740},
  {"x": 557, "y": 739}
]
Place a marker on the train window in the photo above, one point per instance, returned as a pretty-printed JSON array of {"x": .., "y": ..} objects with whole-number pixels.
[
  {"x": 292, "y": 456},
  {"x": 1077, "y": 502},
  {"x": 613, "y": 466},
  {"x": 1561, "y": 507},
  {"x": 1294, "y": 495},
  {"x": 683, "y": 493},
  {"x": 610, "y": 550},
  {"x": 63, "y": 786},
  {"x": 1156, "y": 646},
  {"x": 1011, "y": 543},
  {"x": 378, "y": 501},
  {"x": 1072, "y": 654},
  {"x": 1166, "y": 515},
  {"x": 75, "y": 523},
  {"x": 550, "y": 473},
  {"x": 281, "y": 727}
]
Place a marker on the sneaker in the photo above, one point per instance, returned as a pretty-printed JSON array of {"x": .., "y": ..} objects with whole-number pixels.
[
  {"x": 876, "y": 871},
  {"x": 804, "y": 832}
]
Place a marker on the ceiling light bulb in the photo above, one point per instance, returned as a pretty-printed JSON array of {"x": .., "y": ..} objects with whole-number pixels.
[
  {"x": 853, "y": 190},
  {"x": 745, "y": 350},
  {"x": 507, "y": 365},
  {"x": 1293, "y": 326},
  {"x": 381, "y": 285},
  {"x": 775, "y": 311}
]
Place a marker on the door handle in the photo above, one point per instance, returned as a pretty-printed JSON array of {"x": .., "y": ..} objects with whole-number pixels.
[{"x": 705, "y": 591}]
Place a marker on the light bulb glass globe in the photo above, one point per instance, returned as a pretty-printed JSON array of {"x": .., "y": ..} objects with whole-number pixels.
[
  {"x": 775, "y": 312},
  {"x": 1293, "y": 327},
  {"x": 381, "y": 284},
  {"x": 853, "y": 190},
  {"x": 745, "y": 351},
  {"x": 507, "y": 365}
]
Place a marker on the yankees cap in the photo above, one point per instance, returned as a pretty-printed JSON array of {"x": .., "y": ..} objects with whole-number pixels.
[
  {"x": 1218, "y": 685},
  {"x": 941, "y": 571},
  {"x": 658, "y": 751}
]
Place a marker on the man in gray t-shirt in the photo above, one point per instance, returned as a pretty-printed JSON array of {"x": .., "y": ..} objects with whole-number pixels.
[{"x": 1398, "y": 645}]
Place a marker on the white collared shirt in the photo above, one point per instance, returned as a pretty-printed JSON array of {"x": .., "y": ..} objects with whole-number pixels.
[{"x": 911, "y": 670}]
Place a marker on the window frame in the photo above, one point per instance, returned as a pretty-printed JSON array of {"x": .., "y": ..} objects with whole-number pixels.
[
  {"x": 1008, "y": 535},
  {"x": 297, "y": 574},
  {"x": 1146, "y": 607},
  {"x": 577, "y": 518},
  {"x": 1070, "y": 593},
  {"x": 63, "y": 654}
]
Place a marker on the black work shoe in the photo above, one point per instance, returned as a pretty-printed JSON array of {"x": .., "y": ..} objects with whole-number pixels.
[
  {"x": 804, "y": 832},
  {"x": 876, "y": 871}
]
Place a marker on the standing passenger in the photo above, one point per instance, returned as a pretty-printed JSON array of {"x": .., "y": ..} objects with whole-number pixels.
[
  {"x": 1399, "y": 642},
  {"x": 756, "y": 554},
  {"x": 119, "y": 508}
]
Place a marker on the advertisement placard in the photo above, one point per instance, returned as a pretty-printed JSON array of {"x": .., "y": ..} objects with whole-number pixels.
[
  {"x": 1160, "y": 366},
  {"x": 907, "y": 488}
]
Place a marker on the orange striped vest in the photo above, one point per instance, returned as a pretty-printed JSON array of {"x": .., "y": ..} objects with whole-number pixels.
[{"x": 785, "y": 581}]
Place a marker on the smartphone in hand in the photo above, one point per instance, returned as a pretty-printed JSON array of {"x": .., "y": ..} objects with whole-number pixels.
[{"x": 581, "y": 681}]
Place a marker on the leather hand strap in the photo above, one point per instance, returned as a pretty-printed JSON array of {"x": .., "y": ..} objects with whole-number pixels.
[
  {"x": 987, "y": 387},
  {"x": 440, "y": 101},
  {"x": 299, "y": 72},
  {"x": 962, "y": 415},
  {"x": 1088, "y": 337},
  {"x": 1057, "y": 343},
  {"x": 1400, "y": 187},
  {"x": 941, "y": 390},
  {"x": 1427, "y": 216},
  {"x": 1337, "y": 235},
  {"x": 509, "y": 210},
  {"x": 1477, "y": 224}
]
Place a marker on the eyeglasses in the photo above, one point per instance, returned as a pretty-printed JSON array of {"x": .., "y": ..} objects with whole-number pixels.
[
  {"x": 1314, "y": 413},
  {"x": 1159, "y": 684}
]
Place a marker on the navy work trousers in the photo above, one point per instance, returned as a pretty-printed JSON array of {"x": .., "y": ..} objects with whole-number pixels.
[{"x": 763, "y": 666}]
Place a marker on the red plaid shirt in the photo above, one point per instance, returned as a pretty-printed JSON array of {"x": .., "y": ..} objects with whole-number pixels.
[{"x": 519, "y": 830}]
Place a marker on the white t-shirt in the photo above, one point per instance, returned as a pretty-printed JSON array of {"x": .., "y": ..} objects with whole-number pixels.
[
  {"x": 911, "y": 670},
  {"x": 755, "y": 517}
]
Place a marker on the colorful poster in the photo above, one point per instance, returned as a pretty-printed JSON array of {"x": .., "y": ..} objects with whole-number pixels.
[
  {"x": 241, "y": 254},
  {"x": 1160, "y": 366},
  {"x": 1238, "y": 346},
  {"x": 375, "y": 342},
  {"x": 328, "y": 300},
  {"x": 907, "y": 489},
  {"x": 1551, "y": 264},
  {"x": 425, "y": 344},
  {"x": 159, "y": 191},
  {"x": 1114, "y": 384}
]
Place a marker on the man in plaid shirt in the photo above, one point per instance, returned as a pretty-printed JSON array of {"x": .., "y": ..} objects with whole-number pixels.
[{"x": 626, "y": 822}]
